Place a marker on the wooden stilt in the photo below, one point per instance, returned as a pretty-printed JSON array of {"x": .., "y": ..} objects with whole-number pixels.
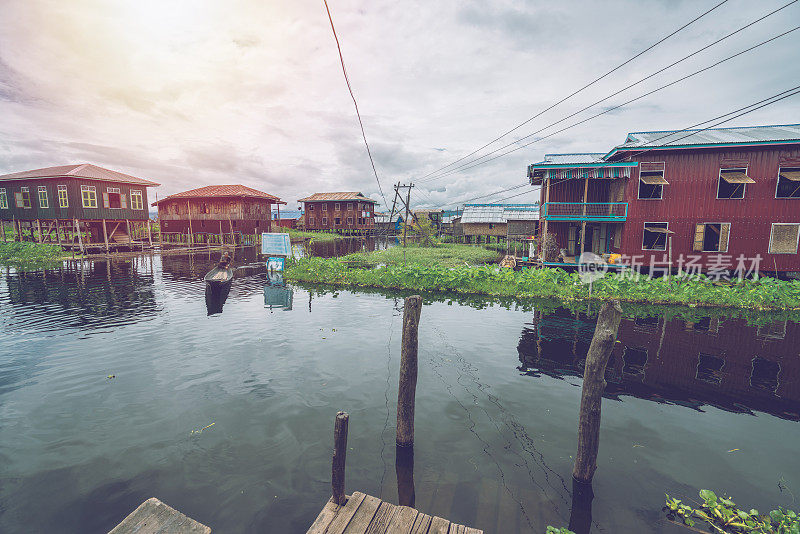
[
  {"x": 3, "y": 228},
  {"x": 38, "y": 231},
  {"x": 408, "y": 371},
  {"x": 594, "y": 383},
  {"x": 58, "y": 233},
  {"x": 80, "y": 236},
  {"x": 105, "y": 235},
  {"x": 189, "y": 216},
  {"x": 149, "y": 232},
  {"x": 128, "y": 224}
]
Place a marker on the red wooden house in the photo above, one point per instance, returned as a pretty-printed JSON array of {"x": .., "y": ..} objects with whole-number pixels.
[
  {"x": 217, "y": 209},
  {"x": 678, "y": 194},
  {"x": 347, "y": 212}
]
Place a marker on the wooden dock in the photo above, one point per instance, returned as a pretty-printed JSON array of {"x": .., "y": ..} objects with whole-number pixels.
[
  {"x": 364, "y": 514},
  {"x": 155, "y": 517}
]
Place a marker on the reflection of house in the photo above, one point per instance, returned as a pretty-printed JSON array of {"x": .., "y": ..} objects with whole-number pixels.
[
  {"x": 217, "y": 209},
  {"x": 341, "y": 212},
  {"x": 723, "y": 363},
  {"x": 489, "y": 220},
  {"x": 47, "y": 204},
  {"x": 728, "y": 190}
]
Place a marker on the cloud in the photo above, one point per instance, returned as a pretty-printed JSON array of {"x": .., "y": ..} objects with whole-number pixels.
[{"x": 196, "y": 92}]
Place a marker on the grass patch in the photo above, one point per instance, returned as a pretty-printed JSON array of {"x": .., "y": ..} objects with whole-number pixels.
[
  {"x": 447, "y": 255},
  {"x": 760, "y": 294},
  {"x": 30, "y": 255},
  {"x": 321, "y": 237}
]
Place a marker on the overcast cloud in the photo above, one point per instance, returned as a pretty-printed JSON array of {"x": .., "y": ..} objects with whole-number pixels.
[{"x": 196, "y": 92}]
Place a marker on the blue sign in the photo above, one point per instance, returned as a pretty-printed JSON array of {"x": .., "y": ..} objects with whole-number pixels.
[{"x": 277, "y": 244}]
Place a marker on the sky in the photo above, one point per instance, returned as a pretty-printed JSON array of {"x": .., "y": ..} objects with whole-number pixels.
[{"x": 189, "y": 93}]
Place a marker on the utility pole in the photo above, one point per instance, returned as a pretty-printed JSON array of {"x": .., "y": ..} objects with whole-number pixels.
[{"x": 407, "y": 202}]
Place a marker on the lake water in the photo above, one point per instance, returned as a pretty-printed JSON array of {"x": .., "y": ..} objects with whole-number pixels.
[{"x": 711, "y": 403}]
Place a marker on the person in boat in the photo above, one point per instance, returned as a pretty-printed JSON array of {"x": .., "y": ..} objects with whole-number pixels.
[{"x": 224, "y": 261}]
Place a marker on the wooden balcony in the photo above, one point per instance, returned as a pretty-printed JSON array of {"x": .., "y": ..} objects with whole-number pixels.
[{"x": 585, "y": 211}]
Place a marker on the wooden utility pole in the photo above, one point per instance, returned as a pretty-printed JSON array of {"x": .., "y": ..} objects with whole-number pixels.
[
  {"x": 408, "y": 371},
  {"x": 605, "y": 335},
  {"x": 545, "y": 206},
  {"x": 339, "y": 457},
  {"x": 397, "y": 189}
]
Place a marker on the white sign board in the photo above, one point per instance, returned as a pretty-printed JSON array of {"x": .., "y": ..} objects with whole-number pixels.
[{"x": 276, "y": 244}]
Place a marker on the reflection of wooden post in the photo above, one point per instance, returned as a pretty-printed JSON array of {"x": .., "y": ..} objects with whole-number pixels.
[
  {"x": 339, "y": 456},
  {"x": 580, "y": 515},
  {"x": 105, "y": 235},
  {"x": 594, "y": 383},
  {"x": 404, "y": 467},
  {"x": 408, "y": 371}
]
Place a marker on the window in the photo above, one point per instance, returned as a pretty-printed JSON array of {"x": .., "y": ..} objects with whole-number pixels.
[
  {"x": 43, "y": 200},
  {"x": 136, "y": 200},
  {"x": 337, "y": 221},
  {"x": 651, "y": 181},
  {"x": 764, "y": 375},
  {"x": 634, "y": 359},
  {"x": 112, "y": 198},
  {"x": 337, "y": 207},
  {"x": 711, "y": 237},
  {"x": 709, "y": 368},
  {"x": 783, "y": 238},
  {"x": 350, "y": 221},
  {"x": 324, "y": 221},
  {"x": 63, "y": 199},
  {"x": 732, "y": 183},
  {"x": 325, "y": 207},
  {"x": 311, "y": 207},
  {"x": 655, "y": 236},
  {"x": 3, "y": 199},
  {"x": 24, "y": 198},
  {"x": 349, "y": 206},
  {"x": 89, "y": 196},
  {"x": 311, "y": 221},
  {"x": 788, "y": 183}
]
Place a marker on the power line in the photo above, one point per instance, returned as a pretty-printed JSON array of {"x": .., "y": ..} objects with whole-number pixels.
[
  {"x": 478, "y": 163},
  {"x": 358, "y": 114},
  {"x": 579, "y": 90},
  {"x": 467, "y": 164}
]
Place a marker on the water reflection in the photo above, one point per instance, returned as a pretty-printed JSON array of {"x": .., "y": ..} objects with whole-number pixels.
[
  {"x": 276, "y": 294},
  {"x": 722, "y": 363},
  {"x": 216, "y": 295},
  {"x": 342, "y": 247}
]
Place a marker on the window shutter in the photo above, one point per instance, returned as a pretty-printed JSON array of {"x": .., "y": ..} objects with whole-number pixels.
[
  {"x": 724, "y": 232},
  {"x": 699, "y": 235},
  {"x": 19, "y": 199},
  {"x": 123, "y": 201},
  {"x": 106, "y": 203}
]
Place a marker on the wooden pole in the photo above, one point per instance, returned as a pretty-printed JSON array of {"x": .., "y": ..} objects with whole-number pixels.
[
  {"x": 339, "y": 457},
  {"x": 544, "y": 231},
  {"x": 105, "y": 235},
  {"x": 408, "y": 371},
  {"x": 583, "y": 212},
  {"x": 38, "y": 231},
  {"x": 3, "y": 228},
  {"x": 594, "y": 383},
  {"x": 189, "y": 216},
  {"x": 404, "y": 468},
  {"x": 405, "y": 221},
  {"x": 150, "y": 232},
  {"x": 128, "y": 225},
  {"x": 580, "y": 514},
  {"x": 80, "y": 237},
  {"x": 58, "y": 233}
]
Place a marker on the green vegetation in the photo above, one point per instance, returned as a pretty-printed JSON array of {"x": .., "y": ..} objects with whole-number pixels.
[
  {"x": 554, "y": 530},
  {"x": 322, "y": 237},
  {"x": 723, "y": 516},
  {"x": 423, "y": 271},
  {"x": 29, "y": 255},
  {"x": 445, "y": 256}
]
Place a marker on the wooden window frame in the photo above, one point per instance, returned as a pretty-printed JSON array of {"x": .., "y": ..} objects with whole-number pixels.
[
  {"x": 325, "y": 206},
  {"x": 666, "y": 236},
  {"x": 44, "y": 200},
  {"x": 639, "y": 184},
  {"x": 350, "y": 221},
  {"x": 744, "y": 186},
  {"x": 25, "y": 194},
  {"x": 310, "y": 207},
  {"x": 137, "y": 194},
  {"x": 3, "y": 199},
  {"x": 324, "y": 221},
  {"x": 337, "y": 206},
  {"x": 772, "y": 233},
  {"x": 349, "y": 206},
  {"x": 727, "y": 241},
  {"x": 63, "y": 199},
  {"x": 778, "y": 182},
  {"x": 92, "y": 190}
]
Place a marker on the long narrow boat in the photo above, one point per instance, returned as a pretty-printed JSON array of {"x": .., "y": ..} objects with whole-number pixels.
[{"x": 219, "y": 276}]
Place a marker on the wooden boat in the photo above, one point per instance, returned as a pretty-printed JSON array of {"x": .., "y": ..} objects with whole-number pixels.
[{"x": 219, "y": 276}]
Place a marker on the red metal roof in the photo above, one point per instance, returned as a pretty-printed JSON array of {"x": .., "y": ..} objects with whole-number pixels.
[
  {"x": 236, "y": 190},
  {"x": 347, "y": 195},
  {"x": 80, "y": 170}
]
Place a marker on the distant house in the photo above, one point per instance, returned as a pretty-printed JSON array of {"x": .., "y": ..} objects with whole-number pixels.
[
  {"x": 344, "y": 212},
  {"x": 385, "y": 225},
  {"x": 489, "y": 220},
  {"x": 707, "y": 195},
  {"x": 46, "y": 204},
  {"x": 434, "y": 215},
  {"x": 217, "y": 209},
  {"x": 286, "y": 218}
]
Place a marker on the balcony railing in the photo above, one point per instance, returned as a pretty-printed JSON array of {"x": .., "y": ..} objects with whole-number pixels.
[{"x": 585, "y": 211}]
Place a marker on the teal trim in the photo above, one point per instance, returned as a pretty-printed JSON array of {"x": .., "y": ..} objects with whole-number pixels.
[
  {"x": 583, "y": 165},
  {"x": 706, "y": 145},
  {"x": 611, "y": 217}
]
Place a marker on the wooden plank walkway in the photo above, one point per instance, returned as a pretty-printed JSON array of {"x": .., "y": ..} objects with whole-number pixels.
[
  {"x": 365, "y": 514},
  {"x": 155, "y": 517}
]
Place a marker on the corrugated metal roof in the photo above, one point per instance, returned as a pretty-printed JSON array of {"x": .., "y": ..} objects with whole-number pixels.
[
  {"x": 714, "y": 136},
  {"x": 498, "y": 213},
  {"x": 235, "y": 190},
  {"x": 80, "y": 170},
  {"x": 346, "y": 195},
  {"x": 288, "y": 214},
  {"x": 576, "y": 159}
]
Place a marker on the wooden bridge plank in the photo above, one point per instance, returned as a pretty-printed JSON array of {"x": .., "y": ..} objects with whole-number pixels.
[
  {"x": 382, "y": 518},
  {"x": 364, "y": 516},
  {"x": 421, "y": 524},
  {"x": 345, "y": 513},
  {"x": 403, "y": 520},
  {"x": 324, "y": 518},
  {"x": 155, "y": 517},
  {"x": 439, "y": 526}
]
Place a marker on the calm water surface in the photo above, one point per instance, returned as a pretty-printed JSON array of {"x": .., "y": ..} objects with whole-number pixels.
[{"x": 707, "y": 404}]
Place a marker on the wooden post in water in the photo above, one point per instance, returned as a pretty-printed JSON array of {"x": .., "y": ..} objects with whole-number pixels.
[
  {"x": 408, "y": 371},
  {"x": 105, "y": 235},
  {"x": 605, "y": 335},
  {"x": 150, "y": 232},
  {"x": 339, "y": 456},
  {"x": 80, "y": 236}
]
